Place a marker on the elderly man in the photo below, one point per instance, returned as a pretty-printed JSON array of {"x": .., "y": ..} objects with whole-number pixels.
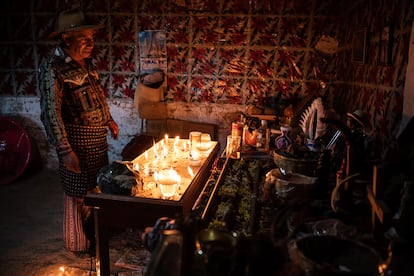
[{"x": 76, "y": 118}]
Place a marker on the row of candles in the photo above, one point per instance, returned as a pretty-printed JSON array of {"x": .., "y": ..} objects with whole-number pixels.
[{"x": 159, "y": 161}]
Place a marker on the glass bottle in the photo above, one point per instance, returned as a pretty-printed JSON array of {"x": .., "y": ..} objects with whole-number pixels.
[{"x": 283, "y": 141}]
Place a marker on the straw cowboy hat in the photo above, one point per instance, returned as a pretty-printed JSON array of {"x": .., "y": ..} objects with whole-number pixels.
[{"x": 72, "y": 20}]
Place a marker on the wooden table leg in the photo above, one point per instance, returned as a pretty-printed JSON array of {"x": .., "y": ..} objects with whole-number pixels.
[{"x": 102, "y": 244}]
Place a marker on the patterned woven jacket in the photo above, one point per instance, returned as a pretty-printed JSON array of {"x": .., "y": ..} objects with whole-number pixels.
[{"x": 70, "y": 95}]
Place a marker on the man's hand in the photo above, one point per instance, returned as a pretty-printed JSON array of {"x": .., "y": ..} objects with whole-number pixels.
[
  {"x": 71, "y": 162},
  {"x": 113, "y": 127}
]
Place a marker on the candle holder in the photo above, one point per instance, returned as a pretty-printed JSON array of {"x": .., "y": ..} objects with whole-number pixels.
[{"x": 168, "y": 182}]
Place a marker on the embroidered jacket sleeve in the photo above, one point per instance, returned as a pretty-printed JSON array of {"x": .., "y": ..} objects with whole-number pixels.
[{"x": 51, "y": 107}]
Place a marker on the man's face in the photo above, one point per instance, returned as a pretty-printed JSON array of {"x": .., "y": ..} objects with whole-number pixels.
[{"x": 79, "y": 43}]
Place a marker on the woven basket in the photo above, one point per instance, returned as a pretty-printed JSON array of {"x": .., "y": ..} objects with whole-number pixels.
[{"x": 305, "y": 166}]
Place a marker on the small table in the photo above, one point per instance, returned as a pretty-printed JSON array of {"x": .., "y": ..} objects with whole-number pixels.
[{"x": 128, "y": 211}]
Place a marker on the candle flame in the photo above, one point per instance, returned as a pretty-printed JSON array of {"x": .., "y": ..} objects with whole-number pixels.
[{"x": 195, "y": 155}]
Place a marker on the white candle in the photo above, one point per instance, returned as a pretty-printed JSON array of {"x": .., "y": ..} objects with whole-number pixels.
[
  {"x": 168, "y": 180},
  {"x": 195, "y": 159},
  {"x": 175, "y": 149},
  {"x": 190, "y": 172},
  {"x": 146, "y": 169},
  {"x": 167, "y": 177},
  {"x": 154, "y": 149},
  {"x": 156, "y": 177}
]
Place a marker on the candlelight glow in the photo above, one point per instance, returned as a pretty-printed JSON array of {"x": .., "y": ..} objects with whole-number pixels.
[
  {"x": 164, "y": 151},
  {"x": 190, "y": 171},
  {"x": 195, "y": 155},
  {"x": 175, "y": 149},
  {"x": 154, "y": 148},
  {"x": 163, "y": 168},
  {"x": 168, "y": 180}
]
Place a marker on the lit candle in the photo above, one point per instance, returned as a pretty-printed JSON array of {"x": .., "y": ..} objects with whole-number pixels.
[
  {"x": 205, "y": 142},
  {"x": 190, "y": 172},
  {"x": 154, "y": 149},
  {"x": 164, "y": 151},
  {"x": 195, "y": 155},
  {"x": 167, "y": 177},
  {"x": 146, "y": 155},
  {"x": 195, "y": 159},
  {"x": 175, "y": 149},
  {"x": 166, "y": 139},
  {"x": 168, "y": 180},
  {"x": 178, "y": 178},
  {"x": 156, "y": 177}
]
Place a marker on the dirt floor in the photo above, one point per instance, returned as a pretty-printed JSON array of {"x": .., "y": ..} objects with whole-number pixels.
[{"x": 31, "y": 233}]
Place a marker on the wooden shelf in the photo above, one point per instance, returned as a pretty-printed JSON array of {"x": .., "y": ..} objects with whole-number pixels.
[{"x": 265, "y": 117}]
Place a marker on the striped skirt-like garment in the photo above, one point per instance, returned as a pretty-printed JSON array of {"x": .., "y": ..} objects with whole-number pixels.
[{"x": 77, "y": 224}]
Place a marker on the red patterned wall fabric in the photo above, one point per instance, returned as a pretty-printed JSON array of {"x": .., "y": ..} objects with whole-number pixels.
[{"x": 230, "y": 52}]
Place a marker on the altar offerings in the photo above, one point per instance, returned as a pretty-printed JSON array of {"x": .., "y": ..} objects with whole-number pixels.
[
  {"x": 167, "y": 169},
  {"x": 147, "y": 205}
]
